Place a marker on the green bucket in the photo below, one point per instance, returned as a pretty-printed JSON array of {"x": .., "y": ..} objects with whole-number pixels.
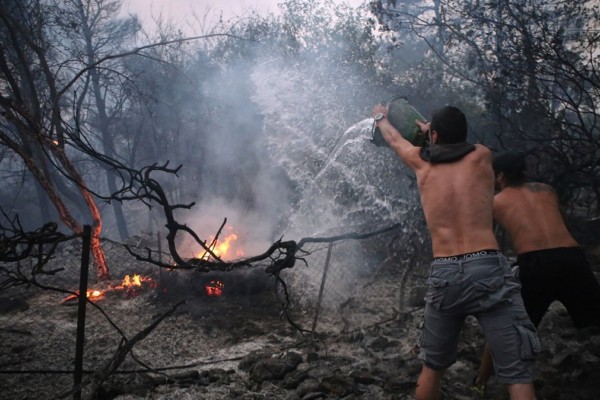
[{"x": 402, "y": 116}]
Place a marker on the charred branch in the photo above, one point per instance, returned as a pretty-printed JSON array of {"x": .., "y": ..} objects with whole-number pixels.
[
  {"x": 17, "y": 245},
  {"x": 125, "y": 348}
]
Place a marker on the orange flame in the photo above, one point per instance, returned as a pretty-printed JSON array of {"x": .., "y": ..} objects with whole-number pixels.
[
  {"x": 136, "y": 280},
  {"x": 130, "y": 284},
  {"x": 214, "y": 288},
  {"x": 224, "y": 248},
  {"x": 135, "y": 283}
]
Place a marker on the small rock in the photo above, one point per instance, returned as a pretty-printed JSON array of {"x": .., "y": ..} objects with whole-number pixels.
[
  {"x": 399, "y": 384},
  {"x": 308, "y": 386},
  {"x": 363, "y": 377},
  {"x": 319, "y": 372},
  {"x": 337, "y": 385},
  {"x": 314, "y": 396},
  {"x": 271, "y": 369},
  {"x": 312, "y": 357},
  {"x": 293, "y": 379}
]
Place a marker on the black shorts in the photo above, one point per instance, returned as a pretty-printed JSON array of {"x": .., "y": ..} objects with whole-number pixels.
[{"x": 561, "y": 274}]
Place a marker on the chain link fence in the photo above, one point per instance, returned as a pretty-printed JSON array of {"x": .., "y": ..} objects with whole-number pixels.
[
  {"x": 350, "y": 282},
  {"x": 135, "y": 322}
]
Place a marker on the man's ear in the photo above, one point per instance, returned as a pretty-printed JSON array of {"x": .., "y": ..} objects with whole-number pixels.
[{"x": 434, "y": 137}]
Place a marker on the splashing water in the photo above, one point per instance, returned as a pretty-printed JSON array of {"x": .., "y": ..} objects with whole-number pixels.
[
  {"x": 343, "y": 182},
  {"x": 359, "y": 185},
  {"x": 342, "y": 179}
]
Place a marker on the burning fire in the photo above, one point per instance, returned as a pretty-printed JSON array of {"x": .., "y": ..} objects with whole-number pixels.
[
  {"x": 135, "y": 280},
  {"x": 132, "y": 284},
  {"x": 214, "y": 288},
  {"x": 224, "y": 248}
]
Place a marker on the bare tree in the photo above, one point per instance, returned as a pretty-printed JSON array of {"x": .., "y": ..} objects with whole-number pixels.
[
  {"x": 97, "y": 34},
  {"x": 32, "y": 123},
  {"x": 532, "y": 65},
  {"x": 40, "y": 108}
]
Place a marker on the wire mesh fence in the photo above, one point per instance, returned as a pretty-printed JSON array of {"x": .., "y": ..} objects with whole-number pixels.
[
  {"x": 134, "y": 321},
  {"x": 353, "y": 281},
  {"x": 40, "y": 313}
]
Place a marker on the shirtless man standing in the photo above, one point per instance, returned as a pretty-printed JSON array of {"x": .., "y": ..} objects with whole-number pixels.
[
  {"x": 552, "y": 266},
  {"x": 468, "y": 275}
]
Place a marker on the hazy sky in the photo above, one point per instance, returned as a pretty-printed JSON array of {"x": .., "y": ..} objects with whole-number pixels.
[
  {"x": 180, "y": 9},
  {"x": 183, "y": 11}
]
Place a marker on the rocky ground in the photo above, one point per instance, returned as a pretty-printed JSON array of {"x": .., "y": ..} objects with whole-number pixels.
[
  {"x": 240, "y": 347},
  {"x": 380, "y": 363},
  {"x": 250, "y": 353}
]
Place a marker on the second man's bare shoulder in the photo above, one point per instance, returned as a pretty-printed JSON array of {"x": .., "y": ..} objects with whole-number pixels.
[
  {"x": 538, "y": 187},
  {"x": 483, "y": 152}
]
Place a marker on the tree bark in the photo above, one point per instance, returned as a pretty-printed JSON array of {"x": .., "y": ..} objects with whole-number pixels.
[{"x": 102, "y": 271}]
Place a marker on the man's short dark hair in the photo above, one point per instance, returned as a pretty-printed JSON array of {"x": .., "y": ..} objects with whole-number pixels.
[
  {"x": 451, "y": 125},
  {"x": 512, "y": 165}
]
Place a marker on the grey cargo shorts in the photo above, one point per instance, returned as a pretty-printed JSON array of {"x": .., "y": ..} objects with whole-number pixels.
[{"x": 483, "y": 285}]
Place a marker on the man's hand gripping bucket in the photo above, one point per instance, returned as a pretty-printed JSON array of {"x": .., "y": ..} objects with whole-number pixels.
[{"x": 402, "y": 116}]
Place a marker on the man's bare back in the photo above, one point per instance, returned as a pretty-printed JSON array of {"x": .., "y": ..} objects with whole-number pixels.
[
  {"x": 457, "y": 201},
  {"x": 456, "y": 197},
  {"x": 530, "y": 213}
]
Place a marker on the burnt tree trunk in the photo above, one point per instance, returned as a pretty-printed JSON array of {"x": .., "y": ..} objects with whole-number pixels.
[{"x": 100, "y": 263}]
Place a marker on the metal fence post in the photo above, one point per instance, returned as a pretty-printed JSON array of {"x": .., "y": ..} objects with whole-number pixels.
[
  {"x": 323, "y": 279},
  {"x": 81, "y": 308}
]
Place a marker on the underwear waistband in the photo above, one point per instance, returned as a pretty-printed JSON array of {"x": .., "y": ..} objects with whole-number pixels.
[{"x": 467, "y": 256}]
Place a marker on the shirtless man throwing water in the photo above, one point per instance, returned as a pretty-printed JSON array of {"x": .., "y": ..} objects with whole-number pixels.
[{"x": 468, "y": 275}]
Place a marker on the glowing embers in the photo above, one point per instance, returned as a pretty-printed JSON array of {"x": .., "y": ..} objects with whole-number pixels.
[
  {"x": 214, "y": 288},
  {"x": 93, "y": 295}
]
